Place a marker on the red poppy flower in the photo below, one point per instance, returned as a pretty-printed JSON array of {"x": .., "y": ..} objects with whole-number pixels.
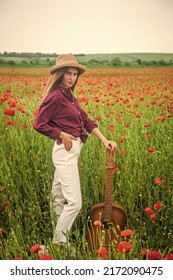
[
  {"x": 170, "y": 108},
  {"x": 35, "y": 248},
  {"x": 153, "y": 102},
  {"x": 8, "y": 202},
  {"x": 168, "y": 115},
  {"x": 145, "y": 251},
  {"x": 103, "y": 253},
  {"x": 4, "y": 97},
  {"x": 160, "y": 118},
  {"x": 9, "y": 112},
  {"x": 9, "y": 122},
  {"x": 121, "y": 140},
  {"x": 98, "y": 118},
  {"x": 24, "y": 126},
  {"x": 45, "y": 257},
  {"x": 135, "y": 104},
  {"x": 126, "y": 233},
  {"x": 17, "y": 259},
  {"x": 21, "y": 109},
  {"x": 124, "y": 247},
  {"x": 141, "y": 98},
  {"x": 138, "y": 115},
  {"x": 157, "y": 206},
  {"x": 154, "y": 255},
  {"x": 160, "y": 104},
  {"x": 11, "y": 104},
  {"x": 169, "y": 257},
  {"x": 147, "y": 124},
  {"x": 111, "y": 127},
  {"x": 36, "y": 112},
  {"x": 115, "y": 168},
  {"x": 158, "y": 181},
  {"x": 127, "y": 125},
  {"x": 153, "y": 216},
  {"x": 148, "y": 135},
  {"x": 105, "y": 257},
  {"x": 149, "y": 211},
  {"x": 150, "y": 149}
]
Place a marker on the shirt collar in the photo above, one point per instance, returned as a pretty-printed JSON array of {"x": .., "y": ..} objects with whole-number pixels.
[{"x": 66, "y": 92}]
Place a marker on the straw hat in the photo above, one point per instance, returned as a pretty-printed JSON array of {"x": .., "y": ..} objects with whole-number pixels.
[{"x": 67, "y": 60}]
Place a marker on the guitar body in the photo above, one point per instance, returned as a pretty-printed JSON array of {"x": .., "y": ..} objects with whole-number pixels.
[
  {"x": 110, "y": 229},
  {"x": 107, "y": 219}
]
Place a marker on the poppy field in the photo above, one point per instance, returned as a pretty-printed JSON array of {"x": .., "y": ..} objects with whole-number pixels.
[{"x": 134, "y": 108}]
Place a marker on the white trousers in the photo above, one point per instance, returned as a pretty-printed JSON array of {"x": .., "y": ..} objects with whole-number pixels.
[{"x": 66, "y": 199}]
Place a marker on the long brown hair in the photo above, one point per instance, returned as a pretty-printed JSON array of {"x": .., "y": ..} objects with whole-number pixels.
[{"x": 54, "y": 80}]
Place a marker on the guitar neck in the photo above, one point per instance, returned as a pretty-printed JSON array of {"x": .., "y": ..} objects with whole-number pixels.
[
  {"x": 108, "y": 192},
  {"x": 109, "y": 185}
]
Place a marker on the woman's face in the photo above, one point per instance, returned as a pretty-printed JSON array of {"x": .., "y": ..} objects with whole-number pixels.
[{"x": 69, "y": 78}]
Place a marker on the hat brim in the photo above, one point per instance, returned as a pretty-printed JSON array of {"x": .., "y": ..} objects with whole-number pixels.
[{"x": 80, "y": 67}]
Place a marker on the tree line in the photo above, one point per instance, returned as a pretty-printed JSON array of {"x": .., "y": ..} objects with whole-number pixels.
[{"x": 31, "y": 54}]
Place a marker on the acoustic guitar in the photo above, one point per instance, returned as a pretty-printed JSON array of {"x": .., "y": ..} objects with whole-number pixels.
[{"x": 107, "y": 219}]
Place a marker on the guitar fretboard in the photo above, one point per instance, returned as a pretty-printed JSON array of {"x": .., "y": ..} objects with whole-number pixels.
[{"x": 108, "y": 191}]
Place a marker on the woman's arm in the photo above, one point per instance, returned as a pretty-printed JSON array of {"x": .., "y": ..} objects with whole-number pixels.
[
  {"x": 111, "y": 145},
  {"x": 45, "y": 113}
]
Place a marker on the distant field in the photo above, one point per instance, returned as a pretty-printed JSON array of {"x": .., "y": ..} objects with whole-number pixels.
[
  {"x": 128, "y": 57},
  {"x": 91, "y": 60}
]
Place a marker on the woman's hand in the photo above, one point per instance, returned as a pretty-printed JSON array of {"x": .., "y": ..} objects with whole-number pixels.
[
  {"x": 111, "y": 145},
  {"x": 67, "y": 140}
]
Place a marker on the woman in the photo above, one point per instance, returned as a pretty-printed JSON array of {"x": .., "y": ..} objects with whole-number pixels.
[{"x": 61, "y": 119}]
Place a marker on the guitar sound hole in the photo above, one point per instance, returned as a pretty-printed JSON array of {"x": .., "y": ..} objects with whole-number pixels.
[{"x": 107, "y": 224}]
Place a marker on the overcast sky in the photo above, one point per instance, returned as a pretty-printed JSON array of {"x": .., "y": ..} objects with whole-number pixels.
[{"x": 86, "y": 26}]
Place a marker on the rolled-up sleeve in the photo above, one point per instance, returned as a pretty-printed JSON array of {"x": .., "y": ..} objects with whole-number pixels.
[
  {"x": 42, "y": 122},
  {"x": 88, "y": 123}
]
